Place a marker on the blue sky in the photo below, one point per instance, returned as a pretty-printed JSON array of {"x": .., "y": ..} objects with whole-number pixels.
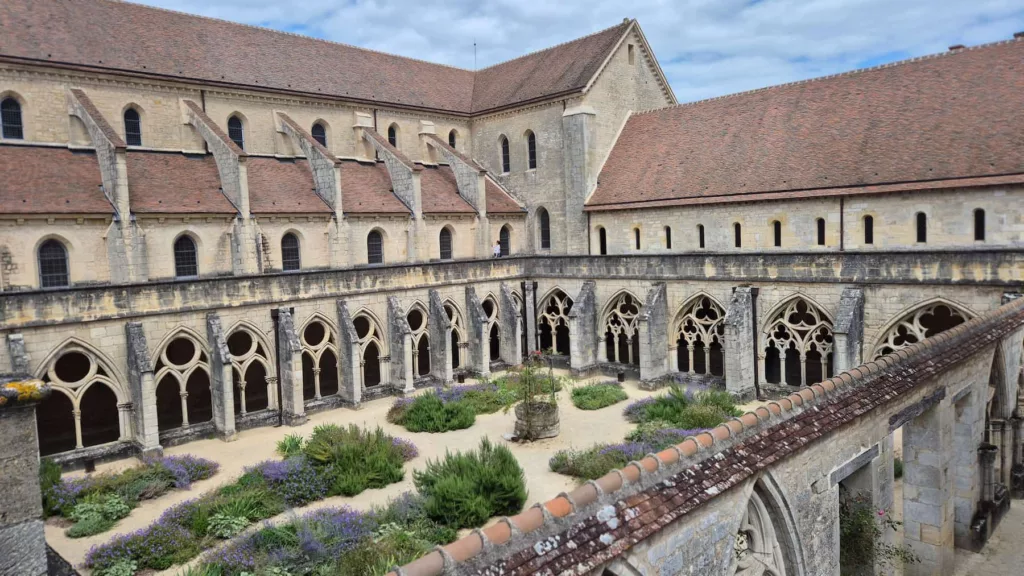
[{"x": 706, "y": 47}]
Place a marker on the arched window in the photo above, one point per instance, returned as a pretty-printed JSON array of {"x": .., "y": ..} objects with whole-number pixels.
[
  {"x": 602, "y": 239},
  {"x": 235, "y": 131},
  {"x": 922, "y": 227},
  {"x": 737, "y": 234},
  {"x": 53, "y": 265},
  {"x": 393, "y": 135},
  {"x": 777, "y": 232},
  {"x": 505, "y": 240},
  {"x": 668, "y": 237},
  {"x": 506, "y": 161},
  {"x": 636, "y": 238},
  {"x": 821, "y": 231},
  {"x": 452, "y": 138},
  {"x": 290, "y": 259},
  {"x": 446, "y": 244},
  {"x": 979, "y": 224},
  {"x": 375, "y": 248},
  {"x": 319, "y": 134},
  {"x": 132, "y": 127},
  {"x": 797, "y": 344},
  {"x": 10, "y": 119},
  {"x": 869, "y": 230},
  {"x": 700, "y": 235},
  {"x": 186, "y": 265},
  {"x": 545, "y": 228},
  {"x": 531, "y": 149}
]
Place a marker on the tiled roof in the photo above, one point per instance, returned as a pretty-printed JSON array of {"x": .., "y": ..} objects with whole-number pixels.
[
  {"x": 175, "y": 183},
  {"x": 158, "y": 42},
  {"x": 101, "y": 121},
  {"x": 950, "y": 116},
  {"x": 499, "y": 201},
  {"x": 44, "y": 180},
  {"x": 598, "y": 521},
  {"x": 440, "y": 193},
  {"x": 564, "y": 68},
  {"x": 282, "y": 186},
  {"x": 366, "y": 189}
]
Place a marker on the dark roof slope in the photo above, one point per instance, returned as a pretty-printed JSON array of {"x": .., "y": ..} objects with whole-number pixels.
[
  {"x": 282, "y": 186},
  {"x": 44, "y": 180},
  {"x": 951, "y": 116},
  {"x": 366, "y": 189},
  {"x": 440, "y": 193},
  {"x": 563, "y": 68},
  {"x": 499, "y": 201},
  {"x": 175, "y": 183},
  {"x": 160, "y": 42}
]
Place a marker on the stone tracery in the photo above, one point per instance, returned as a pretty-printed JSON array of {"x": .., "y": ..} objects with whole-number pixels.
[
  {"x": 254, "y": 377},
  {"x": 922, "y": 323},
  {"x": 458, "y": 336},
  {"x": 490, "y": 307},
  {"x": 372, "y": 349},
  {"x": 621, "y": 334},
  {"x": 418, "y": 320},
  {"x": 699, "y": 332},
  {"x": 319, "y": 359},
  {"x": 553, "y": 322},
  {"x": 797, "y": 344},
  {"x": 757, "y": 548},
  {"x": 182, "y": 376}
]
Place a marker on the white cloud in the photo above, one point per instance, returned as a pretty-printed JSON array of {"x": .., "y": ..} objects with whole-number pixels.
[{"x": 707, "y": 47}]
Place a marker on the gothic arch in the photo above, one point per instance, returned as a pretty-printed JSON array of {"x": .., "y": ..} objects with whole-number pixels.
[
  {"x": 103, "y": 361},
  {"x": 620, "y": 326},
  {"x": 182, "y": 380},
  {"x": 489, "y": 305},
  {"x": 459, "y": 341},
  {"x": 179, "y": 332},
  {"x": 318, "y": 339},
  {"x": 796, "y": 346},
  {"x": 553, "y": 320},
  {"x": 918, "y": 322},
  {"x": 249, "y": 366},
  {"x": 765, "y": 540},
  {"x": 373, "y": 346},
  {"x": 699, "y": 330},
  {"x": 419, "y": 323}
]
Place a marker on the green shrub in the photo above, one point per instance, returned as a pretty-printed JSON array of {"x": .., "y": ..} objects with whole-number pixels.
[
  {"x": 122, "y": 568},
  {"x": 290, "y": 445},
  {"x": 685, "y": 409},
  {"x": 427, "y": 413},
  {"x": 225, "y": 526},
  {"x": 96, "y": 513},
  {"x": 597, "y": 396},
  {"x": 89, "y": 526},
  {"x": 897, "y": 467},
  {"x": 465, "y": 489},
  {"x": 353, "y": 459},
  {"x": 861, "y": 530},
  {"x": 49, "y": 479}
]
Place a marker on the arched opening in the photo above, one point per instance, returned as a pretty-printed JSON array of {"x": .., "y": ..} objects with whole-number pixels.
[
  {"x": 797, "y": 344},
  {"x": 531, "y": 150},
  {"x": 621, "y": 330},
  {"x": 100, "y": 420},
  {"x": 371, "y": 365},
  {"x": 168, "y": 404},
  {"x": 319, "y": 133},
  {"x": 636, "y": 238},
  {"x": 290, "y": 258},
  {"x": 495, "y": 343},
  {"x": 979, "y": 225},
  {"x": 11, "y": 126},
  {"x": 55, "y": 424},
  {"x": 763, "y": 544},
  {"x": 456, "y": 356},
  {"x": 186, "y": 263},
  {"x": 699, "y": 330},
  {"x": 553, "y": 323},
  {"x": 668, "y": 237},
  {"x": 924, "y": 322},
  {"x": 308, "y": 376},
  {"x": 453, "y": 138},
  {"x": 423, "y": 356},
  {"x": 737, "y": 234},
  {"x": 132, "y": 127},
  {"x": 544, "y": 222},
  {"x": 393, "y": 135},
  {"x": 200, "y": 403},
  {"x": 328, "y": 373},
  {"x": 820, "y": 222},
  {"x": 236, "y": 132},
  {"x": 256, "y": 397},
  {"x": 869, "y": 230},
  {"x": 700, "y": 235},
  {"x": 446, "y": 243},
  {"x": 777, "y": 233},
  {"x": 602, "y": 241},
  {"x": 922, "y": 227},
  {"x": 374, "y": 247},
  {"x": 772, "y": 365},
  {"x": 53, "y": 265},
  {"x": 505, "y": 240},
  {"x": 506, "y": 161}
]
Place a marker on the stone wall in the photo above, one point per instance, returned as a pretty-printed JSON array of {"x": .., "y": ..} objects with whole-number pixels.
[{"x": 22, "y": 542}]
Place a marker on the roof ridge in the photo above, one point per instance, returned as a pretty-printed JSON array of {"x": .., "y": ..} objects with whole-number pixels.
[
  {"x": 625, "y": 22},
  {"x": 286, "y": 33},
  {"x": 915, "y": 59}
]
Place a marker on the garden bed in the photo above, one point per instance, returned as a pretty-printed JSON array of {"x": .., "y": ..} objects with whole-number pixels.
[
  {"x": 333, "y": 461},
  {"x": 598, "y": 395},
  {"x": 94, "y": 504}
]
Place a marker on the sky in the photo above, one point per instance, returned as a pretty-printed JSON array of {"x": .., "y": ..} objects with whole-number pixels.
[{"x": 707, "y": 48}]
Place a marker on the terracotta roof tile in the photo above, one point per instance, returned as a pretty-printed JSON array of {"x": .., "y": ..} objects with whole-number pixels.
[
  {"x": 440, "y": 193},
  {"x": 101, "y": 121},
  {"x": 38, "y": 180},
  {"x": 366, "y": 189},
  {"x": 499, "y": 201},
  {"x": 950, "y": 116},
  {"x": 175, "y": 183},
  {"x": 282, "y": 186},
  {"x": 160, "y": 42},
  {"x": 215, "y": 128}
]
